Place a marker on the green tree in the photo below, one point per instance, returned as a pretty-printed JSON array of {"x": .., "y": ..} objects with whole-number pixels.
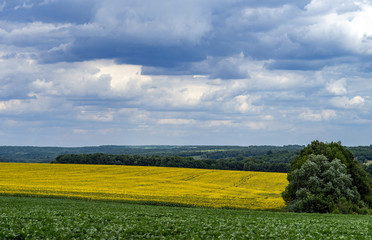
[
  {"x": 320, "y": 185},
  {"x": 331, "y": 151}
]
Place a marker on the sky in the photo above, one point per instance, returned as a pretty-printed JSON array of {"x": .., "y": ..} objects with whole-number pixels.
[{"x": 195, "y": 72}]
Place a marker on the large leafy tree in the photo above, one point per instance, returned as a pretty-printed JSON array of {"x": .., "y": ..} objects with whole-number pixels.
[
  {"x": 320, "y": 185},
  {"x": 360, "y": 182}
]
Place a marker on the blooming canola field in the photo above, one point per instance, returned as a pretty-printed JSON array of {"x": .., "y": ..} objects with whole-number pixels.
[{"x": 182, "y": 186}]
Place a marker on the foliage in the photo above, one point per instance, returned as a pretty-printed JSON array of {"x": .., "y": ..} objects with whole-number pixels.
[
  {"x": 362, "y": 154},
  {"x": 180, "y": 186},
  {"x": 368, "y": 169},
  {"x": 29, "y": 218},
  {"x": 320, "y": 184},
  {"x": 331, "y": 151}
]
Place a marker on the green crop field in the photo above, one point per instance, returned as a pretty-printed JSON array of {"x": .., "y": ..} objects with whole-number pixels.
[{"x": 42, "y": 218}]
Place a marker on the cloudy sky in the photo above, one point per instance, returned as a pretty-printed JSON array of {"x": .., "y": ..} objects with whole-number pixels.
[{"x": 226, "y": 72}]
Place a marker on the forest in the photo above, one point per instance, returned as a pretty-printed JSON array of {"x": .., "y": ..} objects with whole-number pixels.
[{"x": 243, "y": 163}]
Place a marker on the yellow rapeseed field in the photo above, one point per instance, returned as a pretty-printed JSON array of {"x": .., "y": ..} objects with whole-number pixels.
[{"x": 198, "y": 187}]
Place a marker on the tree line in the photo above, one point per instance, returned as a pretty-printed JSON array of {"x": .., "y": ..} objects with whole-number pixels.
[{"x": 238, "y": 163}]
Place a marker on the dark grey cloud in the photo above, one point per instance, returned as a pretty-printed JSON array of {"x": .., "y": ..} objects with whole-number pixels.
[
  {"x": 132, "y": 53},
  {"x": 298, "y": 64},
  {"x": 171, "y": 35}
]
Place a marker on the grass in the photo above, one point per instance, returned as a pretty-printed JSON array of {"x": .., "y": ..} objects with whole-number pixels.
[{"x": 43, "y": 218}]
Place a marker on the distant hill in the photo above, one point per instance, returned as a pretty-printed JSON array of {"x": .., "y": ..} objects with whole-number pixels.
[
  {"x": 48, "y": 154},
  {"x": 253, "y": 158}
]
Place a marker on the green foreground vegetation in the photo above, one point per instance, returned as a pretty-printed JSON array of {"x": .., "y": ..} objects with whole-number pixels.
[{"x": 43, "y": 218}]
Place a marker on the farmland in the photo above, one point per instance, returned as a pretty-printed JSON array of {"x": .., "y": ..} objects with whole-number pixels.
[
  {"x": 48, "y": 213},
  {"x": 41, "y": 218},
  {"x": 155, "y": 185}
]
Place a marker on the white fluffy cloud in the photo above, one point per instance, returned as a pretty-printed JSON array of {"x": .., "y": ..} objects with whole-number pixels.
[
  {"x": 245, "y": 103},
  {"x": 323, "y": 115},
  {"x": 337, "y": 87},
  {"x": 101, "y": 78},
  {"x": 343, "y": 23},
  {"x": 37, "y": 104},
  {"x": 345, "y": 102}
]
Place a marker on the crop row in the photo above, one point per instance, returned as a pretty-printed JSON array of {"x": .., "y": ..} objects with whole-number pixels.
[{"x": 33, "y": 218}]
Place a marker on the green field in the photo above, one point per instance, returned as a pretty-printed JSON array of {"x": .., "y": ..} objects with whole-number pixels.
[{"x": 42, "y": 218}]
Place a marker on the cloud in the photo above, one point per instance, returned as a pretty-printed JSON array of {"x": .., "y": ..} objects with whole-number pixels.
[
  {"x": 95, "y": 116},
  {"x": 25, "y": 106},
  {"x": 344, "y": 25},
  {"x": 345, "y": 102},
  {"x": 244, "y": 103},
  {"x": 321, "y": 7},
  {"x": 172, "y": 72},
  {"x": 218, "y": 123},
  {"x": 162, "y": 21},
  {"x": 337, "y": 87},
  {"x": 39, "y": 35},
  {"x": 261, "y": 19},
  {"x": 256, "y": 125},
  {"x": 198, "y": 37},
  {"x": 233, "y": 67},
  {"x": 324, "y": 115},
  {"x": 101, "y": 79},
  {"x": 53, "y": 11},
  {"x": 175, "y": 121}
]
